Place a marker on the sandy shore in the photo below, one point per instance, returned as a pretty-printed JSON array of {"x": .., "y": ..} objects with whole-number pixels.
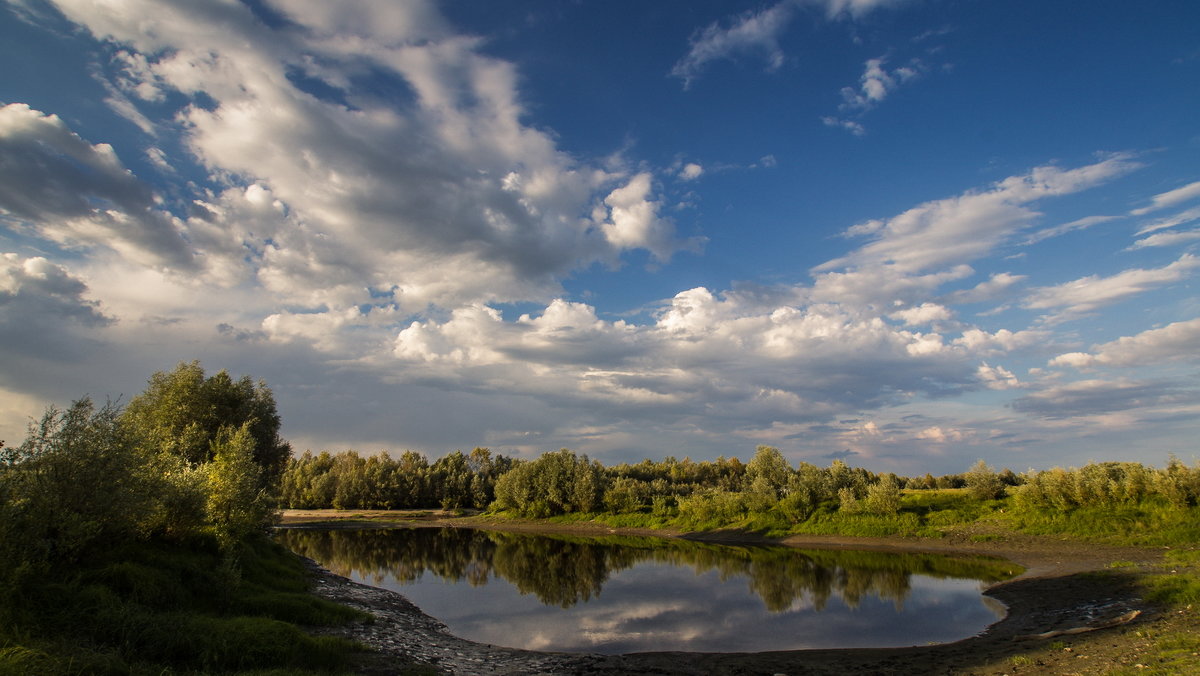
[{"x": 1067, "y": 587}]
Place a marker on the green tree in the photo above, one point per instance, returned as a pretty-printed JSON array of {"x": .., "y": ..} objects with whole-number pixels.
[
  {"x": 182, "y": 412},
  {"x": 768, "y": 471},
  {"x": 237, "y": 503},
  {"x": 556, "y": 483},
  {"x": 76, "y": 483},
  {"x": 883, "y": 496},
  {"x": 983, "y": 483}
]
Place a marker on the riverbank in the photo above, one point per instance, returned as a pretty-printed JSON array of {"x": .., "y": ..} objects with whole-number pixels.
[{"x": 1071, "y": 611}]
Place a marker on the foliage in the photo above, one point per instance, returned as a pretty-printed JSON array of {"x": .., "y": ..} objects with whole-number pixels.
[
  {"x": 556, "y": 483},
  {"x": 983, "y": 483},
  {"x": 237, "y": 504},
  {"x": 126, "y": 547},
  {"x": 349, "y": 481},
  {"x": 73, "y": 486},
  {"x": 181, "y": 413},
  {"x": 883, "y": 497},
  {"x": 158, "y": 607}
]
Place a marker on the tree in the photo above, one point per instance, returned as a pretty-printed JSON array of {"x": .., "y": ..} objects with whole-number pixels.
[
  {"x": 883, "y": 496},
  {"x": 768, "y": 472},
  {"x": 182, "y": 412},
  {"x": 237, "y": 503},
  {"x": 75, "y": 484},
  {"x": 556, "y": 483},
  {"x": 983, "y": 483}
]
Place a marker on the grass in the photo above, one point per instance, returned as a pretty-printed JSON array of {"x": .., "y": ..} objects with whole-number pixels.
[
  {"x": 1149, "y": 523},
  {"x": 936, "y": 513},
  {"x": 1178, "y": 585},
  {"x": 155, "y": 608}
]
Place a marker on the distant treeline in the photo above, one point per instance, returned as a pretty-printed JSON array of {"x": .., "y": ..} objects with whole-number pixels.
[{"x": 696, "y": 493}]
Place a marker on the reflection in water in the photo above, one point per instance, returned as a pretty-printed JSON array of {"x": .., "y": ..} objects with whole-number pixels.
[{"x": 480, "y": 583}]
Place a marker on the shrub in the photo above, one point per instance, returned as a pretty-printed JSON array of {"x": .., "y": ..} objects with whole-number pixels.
[{"x": 983, "y": 483}]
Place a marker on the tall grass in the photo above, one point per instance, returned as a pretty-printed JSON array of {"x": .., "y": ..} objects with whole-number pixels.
[{"x": 154, "y": 608}]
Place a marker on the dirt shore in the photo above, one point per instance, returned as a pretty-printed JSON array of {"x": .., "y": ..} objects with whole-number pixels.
[{"x": 1067, "y": 590}]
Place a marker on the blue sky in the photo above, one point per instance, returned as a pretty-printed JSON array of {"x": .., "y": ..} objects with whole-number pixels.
[{"x": 910, "y": 233}]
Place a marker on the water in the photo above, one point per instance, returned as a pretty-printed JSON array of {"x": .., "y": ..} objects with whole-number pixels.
[{"x": 621, "y": 594}]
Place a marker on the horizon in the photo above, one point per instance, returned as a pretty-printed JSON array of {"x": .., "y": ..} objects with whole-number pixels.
[{"x": 908, "y": 234}]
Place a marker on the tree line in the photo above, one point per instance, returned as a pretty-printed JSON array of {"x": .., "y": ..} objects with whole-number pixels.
[{"x": 697, "y": 494}]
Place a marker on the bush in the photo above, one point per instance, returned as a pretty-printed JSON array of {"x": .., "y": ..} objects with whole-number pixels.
[
  {"x": 883, "y": 497},
  {"x": 983, "y": 483},
  {"x": 75, "y": 484}
]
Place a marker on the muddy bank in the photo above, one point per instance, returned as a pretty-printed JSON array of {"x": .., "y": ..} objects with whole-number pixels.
[{"x": 1059, "y": 592}]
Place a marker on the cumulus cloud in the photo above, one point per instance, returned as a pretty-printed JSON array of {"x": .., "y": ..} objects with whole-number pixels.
[
  {"x": 1087, "y": 294},
  {"x": 997, "y": 377},
  {"x": 877, "y": 83},
  {"x": 45, "y": 311},
  {"x": 78, "y": 194},
  {"x": 629, "y": 219},
  {"x": 874, "y": 85},
  {"x": 438, "y": 194},
  {"x": 925, "y": 313},
  {"x": 691, "y": 171},
  {"x": 706, "y": 359},
  {"x": 980, "y": 342}
]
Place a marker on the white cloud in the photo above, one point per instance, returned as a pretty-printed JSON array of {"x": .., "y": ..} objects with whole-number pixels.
[
  {"x": 851, "y": 126},
  {"x": 1179, "y": 341},
  {"x": 882, "y": 287},
  {"x": 1072, "y": 226},
  {"x": 80, "y": 195},
  {"x": 1166, "y": 239},
  {"x": 758, "y": 33},
  {"x": 45, "y": 311},
  {"x": 997, "y": 377},
  {"x": 1186, "y": 216},
  {"x": 1090, "y": 293},
  {"x": 691, "y": 171},
  {"x": 997, "y": 286},
  {"x": 983, "y": 343},
  {"x": 632, "y": 220},
  {"x": 877, "y": 83},
  {"x": 963, "y": 228},
  {"x": 854, "y": 8},
  {"x": 440, "y": 194},
  {"x": 752, "y": 32},
  {"x": 940, "y": 435},
  {"x": 1095, "y": 398},
  {"x": 706, "y": 360},
  {"x": 1170, "y": 198},
  {"x": 924, "y": 313}
]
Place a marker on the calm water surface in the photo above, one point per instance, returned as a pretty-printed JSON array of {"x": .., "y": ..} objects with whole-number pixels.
[{"x": 622, "y": 594}]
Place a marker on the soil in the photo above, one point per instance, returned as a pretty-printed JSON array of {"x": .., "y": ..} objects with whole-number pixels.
[{"x": 1070, "y": 612}]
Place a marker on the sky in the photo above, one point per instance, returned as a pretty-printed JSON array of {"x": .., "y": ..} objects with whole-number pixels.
[{"x": 909, "y": 234}]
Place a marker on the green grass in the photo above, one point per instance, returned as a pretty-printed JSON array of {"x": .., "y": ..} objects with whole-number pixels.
[
  {"x": 158, "y": 608},
  {"x": 1152, "y": 522}
]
